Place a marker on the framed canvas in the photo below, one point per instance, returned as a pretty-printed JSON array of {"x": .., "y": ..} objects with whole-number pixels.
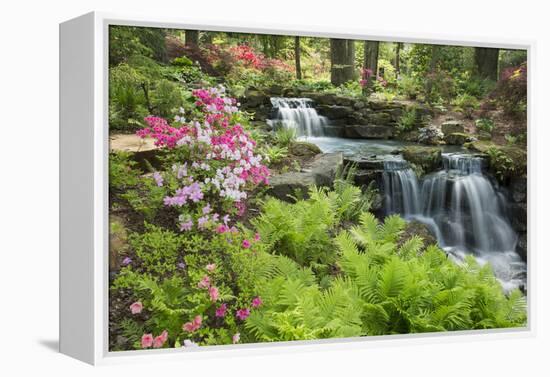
[{"x": 240, "y": 189}]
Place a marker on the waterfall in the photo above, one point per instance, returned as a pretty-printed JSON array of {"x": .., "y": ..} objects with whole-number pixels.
[
  {"x": 298, "y": 114},
  {"x": 464, "y": 209}
]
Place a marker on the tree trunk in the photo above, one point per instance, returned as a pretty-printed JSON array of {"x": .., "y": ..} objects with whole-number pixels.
[
  {"x": 297, "y": 53},
  {"x": 191, "y": 37},
  {"x": 433, "y": 67},
  {"x": 486, "y": 60},
  {"x": 370, "y": 60},
  {"x": 342, "y": 56},
  {"x": 398, "y": 58}
]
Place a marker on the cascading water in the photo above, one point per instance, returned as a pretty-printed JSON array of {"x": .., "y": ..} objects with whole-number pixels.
[
  {"x": 464, "y": 209},
  {"x": 298, "y": 114}
]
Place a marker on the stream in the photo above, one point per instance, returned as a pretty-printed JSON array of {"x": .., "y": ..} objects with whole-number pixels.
[{"x": 461, "y": 204}]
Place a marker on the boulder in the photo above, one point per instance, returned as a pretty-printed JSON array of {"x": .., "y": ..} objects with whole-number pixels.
[
  {"x": 458, "y": 138},
  {"x": 518, "y": 188},
  {"x": 254, "y": 98},
  {"x": 335, "y": 111},
  {"x": 518, "y": 216},
  {"x": 370, "y": 131},
  {"x": 430, "y": 135},
  {"x": 416, "y": 228},
  {"x": 380, "y": 118},
  {"x": 452, "y": 126},
  {"x": 521, "y": 246},
  {"x": 366, "y": 163},
  {"x": 303, "y": 149},
  {"x": 142, "y": 150},
  {"x": 320, "y": 172},
  {"x": 428, "y": 158}
]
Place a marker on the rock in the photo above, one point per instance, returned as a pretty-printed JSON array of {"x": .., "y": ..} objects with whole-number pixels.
[
  {"x": 118, "y": 241},
  {"x": 419, "y": 229},
  {"x": 368, "y": 131},
  {"x": 521, "y": 246},
  {"x": 380, "y": 118},
  {"x": 428, "y": 158},
  {"x": 325, "y": 98},
  {"x": 343, "y": 101},
  {"x": 518, "y": 216},
  {"x": 321, "y": 172},
  {"x": 291, "y": 184},
  {"x": 371, "y": 163},
  {"x": 357, "y": 105},
  {"x": 377, "y": 104},
  {"x": 303, "y": 149},
  {"x": 458, "y": 138},
  {"x": 430, "y": 135},
  {"x": 335, "y": 111},
  {"x": 334, "y": 130},
  {"x": 254, "y": 98},
  {"x": 452, "y": 126},
  {"x": 518, "y": 188},
  {"x": 324, "y": 167},
  {"x": 365, "y": 177}
]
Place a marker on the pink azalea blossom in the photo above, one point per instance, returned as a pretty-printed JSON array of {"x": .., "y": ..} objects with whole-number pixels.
[
  {"x": 214, "y": 294},
  {"x": 146, "y": 340},
  {"x": 193, "y": 325},
  {"x": 256, "y": 302},
  {"x": 204, "y": 283},
  {"x": 236, "y": 338},
  {"x": 222, "y": 228},
  {"x": 257, "y": 237},
  {"x": 243, "y": 314},
  {"x": 246, "y": 244},
  {"x": 136, "y": 307},
  {"x": 159, "y": 341},
  {"x": 221, "y": 311},
  {"x": 210, "y": 267}
]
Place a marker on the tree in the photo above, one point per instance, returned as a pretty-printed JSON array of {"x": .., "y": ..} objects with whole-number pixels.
[
  {"x": 398, "y": 58},
  {"x": 297, "y": 53},
  {"x": 342, "y": 61},
  {"x": 370, "y": 60},
  {"x": 191, "y": 37},
  {"x": 486, "y": 62}
]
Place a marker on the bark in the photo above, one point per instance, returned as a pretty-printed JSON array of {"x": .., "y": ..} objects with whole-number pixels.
[
  {"x": 342, "y": 56},
  {"x": 486, "y": 61},
  {"x": 297, "y": 53},
  {"x": 370, "y": 60},
  {"x": 398, "y": 58},
  {"x": 191, "y": 37}
]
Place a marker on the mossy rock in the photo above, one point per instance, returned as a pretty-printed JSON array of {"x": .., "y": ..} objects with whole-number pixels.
[
  {"x": 416, "y": 228},
  {"x": 304, "y": 149},
  {"x": 458, "y": 138},
  {"x": 516, "y": 154},
  {"x": 427, "y": 158}
]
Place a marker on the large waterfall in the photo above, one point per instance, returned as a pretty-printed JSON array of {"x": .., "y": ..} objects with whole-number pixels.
[
  {"x": 298, "y": 114},
  {"x": 464, "y": 209}
]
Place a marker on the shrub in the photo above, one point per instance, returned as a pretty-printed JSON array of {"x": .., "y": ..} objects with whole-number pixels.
[
  {"x": 123, "y": 172},
  {"x": 408, "y": 120},
  {"x": 485, "y": 125},
  {"x": 285, "y": 136},
  {"x": 501, "y": 164},
  {"x": 511, "y": 91},
  {"x": 466, "y": 104}
]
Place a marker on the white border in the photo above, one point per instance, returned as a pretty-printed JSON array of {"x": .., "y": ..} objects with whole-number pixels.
[{"x": 101, "y": 233}]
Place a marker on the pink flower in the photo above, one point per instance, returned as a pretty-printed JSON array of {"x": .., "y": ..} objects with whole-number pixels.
[
  {"x": 256, "y": 302},
  {"x": 257, "y": 237},
  {"x": 136, "y": 307},
  {"x": 214, "y": 293},
  {"x": 221, "y": 311},
  {"x": 194, "y": 325},
  {"x": 159, "y": 341},
  {"x": 210, "y": 267},
  {"x": 246, "y": 244},
  {"x": 204, "y": 283},
  {"x": 146, "y": 340},
  {"x": 222, "y": 228},
  {"x": 243, "y": 314},
  {"x": 236, "y": 338}
]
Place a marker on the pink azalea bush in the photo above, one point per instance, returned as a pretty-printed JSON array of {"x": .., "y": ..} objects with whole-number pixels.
[{"x": 219, "y": 163}]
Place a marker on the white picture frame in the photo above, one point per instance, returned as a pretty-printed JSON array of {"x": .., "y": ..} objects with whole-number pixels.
[{"x": 84, "y": 191}]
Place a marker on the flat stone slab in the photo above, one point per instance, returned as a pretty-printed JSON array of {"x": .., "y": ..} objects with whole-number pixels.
[{"x": 130, "y": 143}]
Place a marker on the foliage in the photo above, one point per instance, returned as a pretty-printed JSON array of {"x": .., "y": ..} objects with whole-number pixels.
[
  {"x": 285, "y": 136},
  {"x": 511, "y": 91},
  {"x": 485, "y": 125},
  {"x": 128, "y": 41},
  {"x": 382, "y": 289},
  {"x": 274, "y": 153},
  {"x": 123, "y": 172},
  {"x": 501, "y": 164},
  {"x": 466, "y": 104},
  {"x": 408, "y": 120}
]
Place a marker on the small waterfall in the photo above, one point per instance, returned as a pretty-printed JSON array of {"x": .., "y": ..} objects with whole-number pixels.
[
  {"x": 464, "y": 209},
  {"x": 298, "y": 114}
]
